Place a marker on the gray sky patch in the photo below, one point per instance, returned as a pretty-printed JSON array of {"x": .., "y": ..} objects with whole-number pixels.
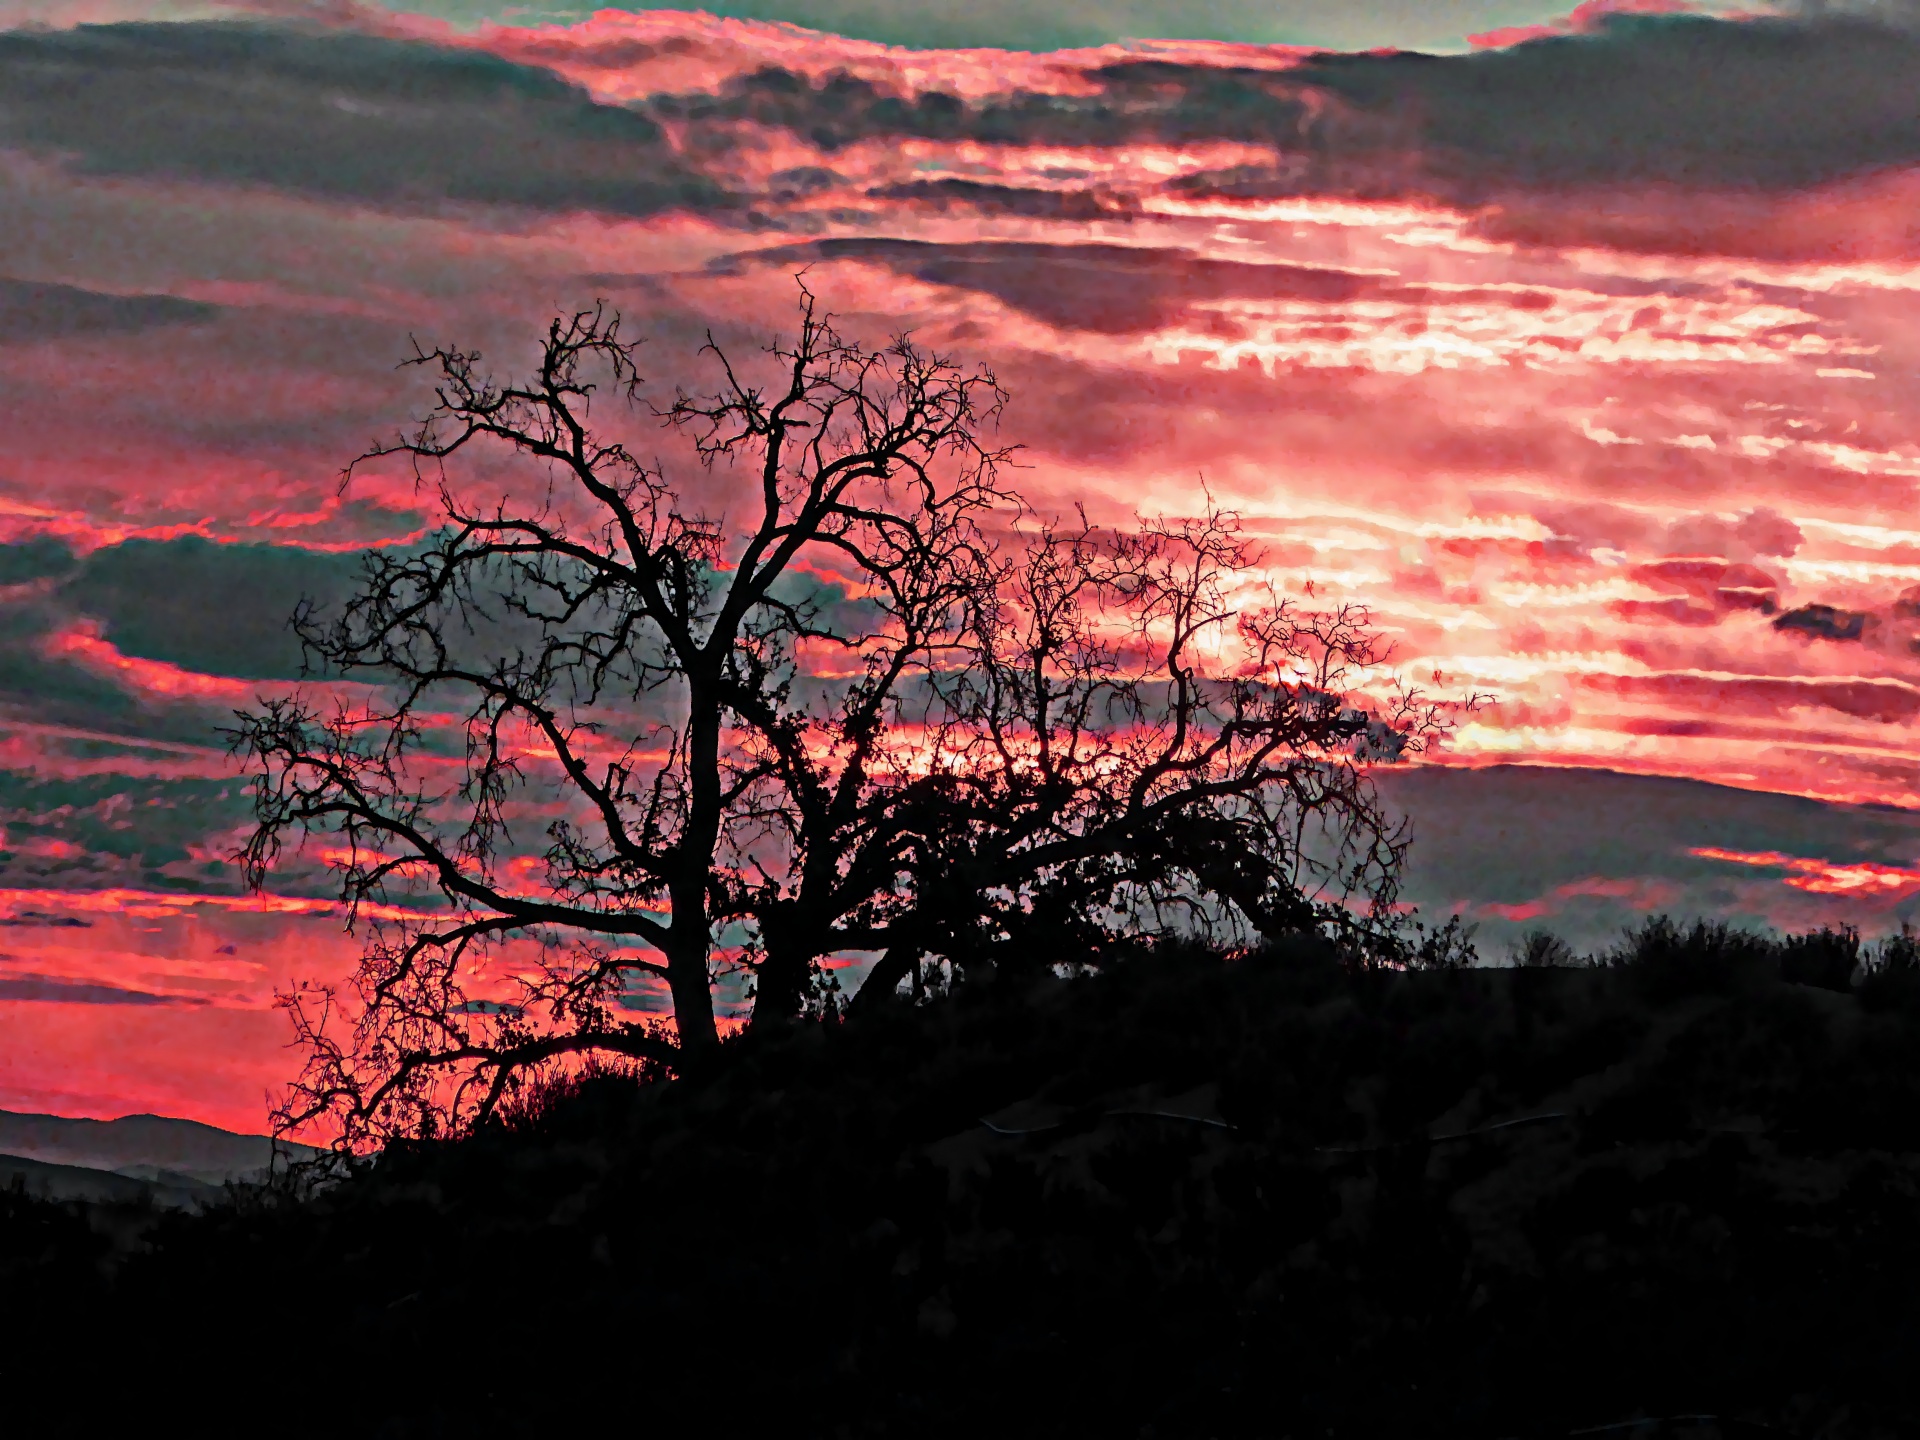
[
  {"x": 393, "y": 122},
  {"x": 218, "y": 609},
  {"x": 1051, "y": 24},
  {"x": 32, "y": 311},
  {"x": 52, "y": 990}
]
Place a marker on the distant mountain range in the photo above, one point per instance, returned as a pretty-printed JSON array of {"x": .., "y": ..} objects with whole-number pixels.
[{"x": 137, "y": 1157}]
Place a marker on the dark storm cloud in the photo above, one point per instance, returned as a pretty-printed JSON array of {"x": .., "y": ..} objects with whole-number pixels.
[
  {"x": 51, "y": 690},
  {"x": 215, "y": 609},
  {"x": 1038, "y": 25},
  {"x": 1677, "y": 99},
  {"x": 43, "y": 920},
  {"x": 1712, "y": 589},
  {"x": 1018, "y": 200},
  {"x": 34, "y": 559},
  {"x": 1147, "y": 102},
  {"x": 31, "y": 311},
  {"x": 1884, "y": 701},
  {"x": 113, "y": 827},
  {"x": 1892, "y": 12},
  {"x": 1827, "y": 622},
  {"x": 226, "y": 610},
  {"x": 1687, "y": 100},
  {"x": 1680, "y": 99},
  {"x": 335, "y": 113},
  {"x": 52, "y": 990},
  {"x": 1501, "y": 836},
  {"x": 218, "y": 609},
  {"x": 1673, "y": 612},
  {"x": 1111, "y": 288}
]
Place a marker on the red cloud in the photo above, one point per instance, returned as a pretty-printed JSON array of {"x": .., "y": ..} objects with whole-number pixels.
[
  {"x": 1827, "y": 877},
  {"x": 1887, "y": 701},
  {"x": 1582, "y": 19}
]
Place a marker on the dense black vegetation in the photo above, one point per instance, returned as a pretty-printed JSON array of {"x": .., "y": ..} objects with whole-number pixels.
[{"x": 1194, "y": 1195}]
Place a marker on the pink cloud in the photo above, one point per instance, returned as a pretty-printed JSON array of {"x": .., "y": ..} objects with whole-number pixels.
[
  {"x": 1635, "y": 892},
  {"x": 83, "y": 644},
  {"x": 1582, "y": 19},
  {"x": 1861, "y": 878}
]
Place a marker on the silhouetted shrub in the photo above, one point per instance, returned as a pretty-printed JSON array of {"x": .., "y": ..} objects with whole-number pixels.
[
  {"x": 1222, "y": 1197},
  {"x": 1899, "y": 954},
  {"x": 1890, "y": 971},
  {"x": 1410, "y": 943},
  {"x": 1825, "y": 957},
  {"x": 1707, "y": 957},
  {"x": 1541, "y": 949}
]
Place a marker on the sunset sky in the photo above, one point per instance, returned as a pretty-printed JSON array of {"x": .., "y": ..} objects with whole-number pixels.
[{"x": 1584, "y": 349}]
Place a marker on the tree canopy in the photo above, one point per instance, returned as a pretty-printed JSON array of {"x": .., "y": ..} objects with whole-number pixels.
[{"x": 841, "y": 691}]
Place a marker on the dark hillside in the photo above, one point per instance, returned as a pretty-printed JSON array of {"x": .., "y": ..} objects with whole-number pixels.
[
  {"x": 145, "y": 1146},
  {"x": 1191, "y": 1197}
]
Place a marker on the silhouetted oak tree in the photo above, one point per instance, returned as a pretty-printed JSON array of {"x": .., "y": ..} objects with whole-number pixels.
[
  {"x": 1143, "y": 741},
  {"x": 866, "y": 705}
]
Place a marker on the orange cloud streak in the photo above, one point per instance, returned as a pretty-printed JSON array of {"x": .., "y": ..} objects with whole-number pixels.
[{"x": 1825, "y": 877}]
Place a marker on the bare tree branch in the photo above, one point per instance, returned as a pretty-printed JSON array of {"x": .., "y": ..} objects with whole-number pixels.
[{"x": 614, "y": 743}]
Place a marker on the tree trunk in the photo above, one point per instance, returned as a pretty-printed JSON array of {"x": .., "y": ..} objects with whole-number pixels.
[
  {"x": 692, "y": 993},
  {"x": 779, "y": 985},
  {"x": 897, "y": 964},
  {"x": 687, "y": 959}
]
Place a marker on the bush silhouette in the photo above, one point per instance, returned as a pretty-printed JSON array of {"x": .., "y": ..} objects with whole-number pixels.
[
  {"x": 1705, "y": 957},
  {"x": 1279, "y": 1193},
  {"x": 1826, "y": 957},
  {"x": 1890, "y": 971},
  {"x": 1542, "y": 948}
]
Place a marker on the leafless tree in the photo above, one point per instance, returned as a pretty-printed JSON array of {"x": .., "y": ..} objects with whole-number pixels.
[
  {"x": 639, "y": 669},
  {"x": 1149, "y": 741},
  {"x": 872, "y": 705}
]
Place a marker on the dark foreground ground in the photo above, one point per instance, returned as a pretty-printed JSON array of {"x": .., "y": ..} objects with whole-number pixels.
[{"x": 1263, "y": 1197}]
